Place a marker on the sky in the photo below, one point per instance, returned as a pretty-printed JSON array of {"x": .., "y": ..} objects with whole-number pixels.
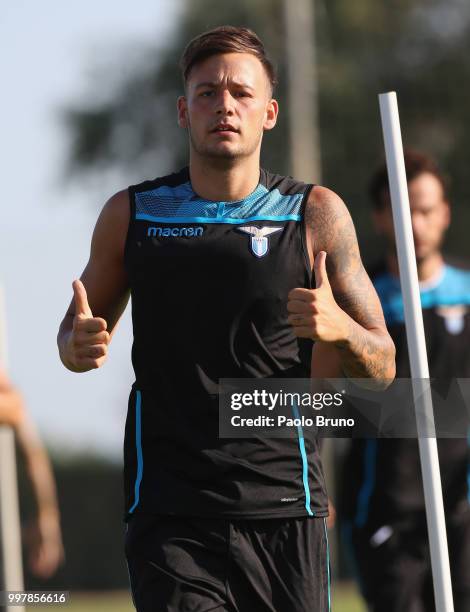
[{"x": 49, "y": 50}]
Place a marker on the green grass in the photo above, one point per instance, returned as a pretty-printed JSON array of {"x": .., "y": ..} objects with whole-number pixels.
[
  {"x": 107, "y": 601},
  {"x": 344, "y": 599}
]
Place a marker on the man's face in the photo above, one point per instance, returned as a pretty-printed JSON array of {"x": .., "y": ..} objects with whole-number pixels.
[
  {"x": 227, "y": 106},
  {"x": 430, "y": 216}
]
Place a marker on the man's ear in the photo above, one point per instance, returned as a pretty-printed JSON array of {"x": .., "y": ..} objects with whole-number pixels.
[
  {"x": 272, "y": 111},
  {"x": 182, "y": 107}
]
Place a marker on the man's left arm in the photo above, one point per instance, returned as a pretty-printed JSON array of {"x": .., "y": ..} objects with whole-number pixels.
[{"x": 343, "y": 310}]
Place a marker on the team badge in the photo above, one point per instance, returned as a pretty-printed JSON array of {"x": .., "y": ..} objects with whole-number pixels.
[{"x": 259, "y": 238}]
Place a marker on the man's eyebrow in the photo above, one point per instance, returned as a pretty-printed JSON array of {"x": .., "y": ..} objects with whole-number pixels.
[
  {"x": 216, "y": 84},
  {"x": 244, "y": 85},
  {"x": 206, "y": 84}
]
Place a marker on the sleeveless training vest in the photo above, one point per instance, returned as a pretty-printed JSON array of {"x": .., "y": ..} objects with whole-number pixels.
[{"x": 209, "y": 284}]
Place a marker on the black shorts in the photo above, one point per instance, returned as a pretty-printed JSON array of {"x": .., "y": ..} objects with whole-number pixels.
[
  {"x": 395, "y": 574},
  {"x": 183, "y": 564}
]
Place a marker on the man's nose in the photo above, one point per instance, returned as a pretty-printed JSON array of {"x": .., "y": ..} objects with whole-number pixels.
[{"x": 224, "y": 103}]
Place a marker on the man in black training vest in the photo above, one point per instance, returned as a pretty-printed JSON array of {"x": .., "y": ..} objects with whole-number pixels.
[
  {"x": 383, "y": 508},
  {"x": 218, "y": 259}
]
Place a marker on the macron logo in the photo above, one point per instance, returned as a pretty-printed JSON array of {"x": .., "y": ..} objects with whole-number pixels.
[{"x": 174, "y": 232}]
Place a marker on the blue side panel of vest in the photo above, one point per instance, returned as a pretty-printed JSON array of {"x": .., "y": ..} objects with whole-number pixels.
[{"x": 452, "y": 290}]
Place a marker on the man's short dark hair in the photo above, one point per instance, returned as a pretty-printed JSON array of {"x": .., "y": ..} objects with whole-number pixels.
[
  {"x": 416, "y": 163},
  {"x": 226, "y": 39}
]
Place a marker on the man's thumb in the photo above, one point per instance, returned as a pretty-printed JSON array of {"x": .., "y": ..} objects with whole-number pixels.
[
  {"x": 319, "y": 266},
  {"x": 81, "y": 300}
]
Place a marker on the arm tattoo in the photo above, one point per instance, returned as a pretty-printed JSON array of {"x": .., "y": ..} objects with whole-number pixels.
[{"x": 369, "y": 350}]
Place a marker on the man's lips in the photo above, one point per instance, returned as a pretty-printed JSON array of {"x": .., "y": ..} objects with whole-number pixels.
[{"x": 224, "y": 128}]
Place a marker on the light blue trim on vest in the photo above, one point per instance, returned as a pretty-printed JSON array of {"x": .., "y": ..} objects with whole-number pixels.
[
  {"x": 303, "y": 454},
  {"x": 144, "y": 217},
  {"x": 138, "y": 445}
]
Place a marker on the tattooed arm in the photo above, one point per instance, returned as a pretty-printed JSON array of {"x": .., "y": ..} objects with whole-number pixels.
[{"x": 343, "y": 310}]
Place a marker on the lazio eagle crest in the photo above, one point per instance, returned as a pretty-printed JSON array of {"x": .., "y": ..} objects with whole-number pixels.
[{"x": 259, "y": 237}]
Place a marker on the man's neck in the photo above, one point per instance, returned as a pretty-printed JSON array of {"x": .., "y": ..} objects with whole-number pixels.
[
  {"x": 427, "y": 268},
  {"x": 223, "y": 182}
]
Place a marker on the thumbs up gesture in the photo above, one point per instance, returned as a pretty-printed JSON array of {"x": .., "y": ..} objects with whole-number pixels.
[
  {"x": 87, "y": 345},
  {"x": 314, "y": 313}
]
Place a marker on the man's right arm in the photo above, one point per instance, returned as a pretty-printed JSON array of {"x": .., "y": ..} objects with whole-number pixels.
[{"x": 101, "y": 294}]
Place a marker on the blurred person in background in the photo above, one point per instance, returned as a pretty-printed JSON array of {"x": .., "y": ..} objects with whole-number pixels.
[
  {"x": 42, "y": 535},
  {"x": 382, "y": 509},
  {"x": 220, "y": 259},
  {"x": 11, "y": 405}
]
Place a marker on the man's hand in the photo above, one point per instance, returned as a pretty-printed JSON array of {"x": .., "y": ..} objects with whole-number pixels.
[
  {"x": 331, "y": 519},
  {"x": 314, "y": 313},
  {"x": 45, "y": 548},
  {"x": 87, "y": 343}
]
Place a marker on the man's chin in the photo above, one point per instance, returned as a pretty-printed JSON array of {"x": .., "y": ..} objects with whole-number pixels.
[
  {"x": 423, "y": 253},
  {"x": 222, "y": 153},
  {"x": 424, "y": 256}
]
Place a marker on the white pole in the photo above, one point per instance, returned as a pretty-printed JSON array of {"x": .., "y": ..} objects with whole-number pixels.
[
  {"x": 10, "y": 534},
  {"x": 417, "y": 351}
]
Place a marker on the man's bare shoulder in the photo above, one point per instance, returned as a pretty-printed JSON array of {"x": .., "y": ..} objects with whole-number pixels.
[
  {"x": 322, "y": 199},
  {"x": 327, "y": 217},
  {"x": 109, "y": 236},
  {"x": 117, "y": 209}
]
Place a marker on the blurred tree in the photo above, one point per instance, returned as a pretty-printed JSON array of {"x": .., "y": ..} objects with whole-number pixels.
[{"x": 416, "y": 47}]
